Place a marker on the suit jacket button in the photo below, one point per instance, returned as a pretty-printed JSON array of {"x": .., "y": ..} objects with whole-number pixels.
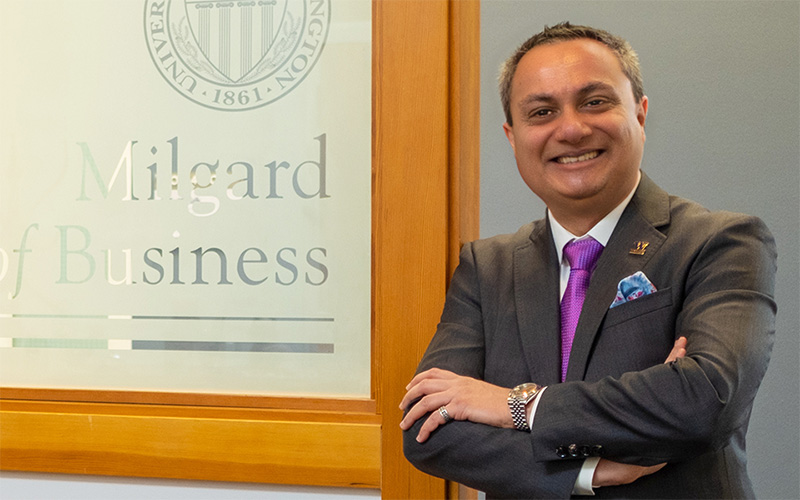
[
  {"x": 561, "y": 451},
  {"x": 585, "y": 451},
  {"x": 573, "y": 450},
  {"x": 597, "y": 450}
]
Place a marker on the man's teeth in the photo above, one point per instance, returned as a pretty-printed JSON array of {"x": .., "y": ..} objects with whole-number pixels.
[{"x": 574, "y": 159}]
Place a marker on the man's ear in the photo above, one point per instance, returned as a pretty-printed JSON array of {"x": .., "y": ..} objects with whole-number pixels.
[
  {"x": 510, "y": 136},
  {"x": 641, "y": 112}
]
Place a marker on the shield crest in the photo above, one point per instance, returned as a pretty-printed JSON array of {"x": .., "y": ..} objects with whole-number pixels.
[{"x": 244, "y": 39}]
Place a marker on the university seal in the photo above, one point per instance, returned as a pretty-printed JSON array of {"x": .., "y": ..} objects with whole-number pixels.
[{"x": 235, "y": 55}]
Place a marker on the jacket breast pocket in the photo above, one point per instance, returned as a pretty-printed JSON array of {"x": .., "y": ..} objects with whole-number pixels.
[
  {"x": 639, "y": 307},
  {"x": 634, "y": 336}
]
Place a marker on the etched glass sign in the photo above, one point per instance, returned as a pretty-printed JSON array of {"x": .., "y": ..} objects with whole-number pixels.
[
  {"x": 185, "y": 196},
  {"x": 236, "y": 55}
]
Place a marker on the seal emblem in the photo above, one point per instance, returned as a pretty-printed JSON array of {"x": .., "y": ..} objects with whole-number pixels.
[{"x": 235, "y": 55}]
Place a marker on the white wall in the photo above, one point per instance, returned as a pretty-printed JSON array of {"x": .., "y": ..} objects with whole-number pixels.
[{"x": 32, "y": 486}]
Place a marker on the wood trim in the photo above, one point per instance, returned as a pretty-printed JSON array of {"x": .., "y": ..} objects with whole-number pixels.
[
  {"x": 464, "y": 145},
  {"x": 430, "y": 160},
  {"x": 190, "y": 399},
  {"x": 192, "y": 443},
  {"x": 410, "y": 213},
  {"x": 465, "y": 46}
]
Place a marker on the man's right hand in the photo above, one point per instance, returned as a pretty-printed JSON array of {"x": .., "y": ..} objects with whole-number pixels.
[
  {"x": 608, "y": 473},
  {"x": 678, "y": 350}
]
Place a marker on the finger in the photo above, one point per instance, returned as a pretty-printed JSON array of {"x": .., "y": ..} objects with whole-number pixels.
[
  {"x": 430, "y": 425},
  {"x": 608, "y": 473},
  {"x": 423, "y": 406},
  {"x": 656, "y": 468},
  {"x": 433, "y": 373},
  {"x": 424, "y": 388},
  {"x": 678, "y": 350}
]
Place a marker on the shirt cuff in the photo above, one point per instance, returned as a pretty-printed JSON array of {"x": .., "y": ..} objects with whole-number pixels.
[
  {"x": 535, "y": 404},
  {"x": 583, "y": 485}
]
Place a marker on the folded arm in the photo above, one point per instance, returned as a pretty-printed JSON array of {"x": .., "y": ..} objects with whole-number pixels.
[
  {"x": 676, "y": 411},
  {"x": 659, "y": 414}
]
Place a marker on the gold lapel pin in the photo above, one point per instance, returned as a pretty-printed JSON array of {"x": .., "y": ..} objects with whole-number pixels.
[{"x": 640, "y": 248}]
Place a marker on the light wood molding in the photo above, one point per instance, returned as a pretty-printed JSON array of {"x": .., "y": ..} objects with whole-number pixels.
[{"x": 224, "y": 444}]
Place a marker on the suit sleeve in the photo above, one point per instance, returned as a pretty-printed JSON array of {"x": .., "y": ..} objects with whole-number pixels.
[
  {"x": 672, "y": 412},
  {"x": 497, "y": 461}
]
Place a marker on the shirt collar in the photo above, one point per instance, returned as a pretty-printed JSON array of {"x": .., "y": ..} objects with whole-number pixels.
[{"x": 600, "y": 232}]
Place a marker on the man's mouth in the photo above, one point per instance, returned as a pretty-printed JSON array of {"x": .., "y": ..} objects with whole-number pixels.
[{"x": 574, "y": 159}]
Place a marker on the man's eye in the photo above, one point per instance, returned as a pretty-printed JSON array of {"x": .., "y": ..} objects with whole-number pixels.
[
  {"x": 595, "y": 102},
  {"x": 540, "y": 113}
]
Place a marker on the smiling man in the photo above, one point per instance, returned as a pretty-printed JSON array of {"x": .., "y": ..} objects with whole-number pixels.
[
  {"x": 613, "y": 348},
  {"x": 578, "y": 130}
]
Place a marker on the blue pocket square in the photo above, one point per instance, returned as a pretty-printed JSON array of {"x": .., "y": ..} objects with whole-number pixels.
[{"x": 631, "y": 288}]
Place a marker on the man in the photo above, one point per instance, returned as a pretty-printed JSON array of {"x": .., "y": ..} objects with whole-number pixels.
[{"x": 524, "y": 394}]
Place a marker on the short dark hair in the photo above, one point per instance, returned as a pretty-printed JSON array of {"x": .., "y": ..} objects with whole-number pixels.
[{"x": 562, "y": 32}]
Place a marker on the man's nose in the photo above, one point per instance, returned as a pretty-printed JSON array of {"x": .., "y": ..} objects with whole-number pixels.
[{"x": 571, "y": 127}]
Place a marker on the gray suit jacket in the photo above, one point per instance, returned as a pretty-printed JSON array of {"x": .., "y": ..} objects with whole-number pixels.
[{"x": 714, "y": 273}]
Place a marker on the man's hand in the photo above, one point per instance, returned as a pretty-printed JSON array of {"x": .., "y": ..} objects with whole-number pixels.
[
  {"x": 465, "y": 399},
  {"x": 678, "y": 350},
  {"x": 608, "y": 473}
]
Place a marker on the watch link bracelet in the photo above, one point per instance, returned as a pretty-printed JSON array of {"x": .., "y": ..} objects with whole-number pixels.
[{"x": 518, "y": 399}]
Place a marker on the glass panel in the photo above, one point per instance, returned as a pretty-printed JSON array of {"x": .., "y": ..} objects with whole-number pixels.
[{"x": 185, "y": 196}]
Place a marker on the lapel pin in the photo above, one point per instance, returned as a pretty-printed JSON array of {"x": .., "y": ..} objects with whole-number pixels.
[{"x": 640, "y": 248}]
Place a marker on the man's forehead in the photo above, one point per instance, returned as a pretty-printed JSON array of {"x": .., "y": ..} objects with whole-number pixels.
[
  {"x": 562, "y": 53},
  {"x": 573, "y": 65}
]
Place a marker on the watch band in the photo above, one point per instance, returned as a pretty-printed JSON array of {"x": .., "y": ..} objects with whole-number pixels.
[{"x": 518, "y": 399}]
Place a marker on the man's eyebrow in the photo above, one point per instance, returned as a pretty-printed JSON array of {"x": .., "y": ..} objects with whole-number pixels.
[
  {"x": 589, "y": 88},
  {"x": 595, "y": 87},
  {"x": 532, "y": 98}
]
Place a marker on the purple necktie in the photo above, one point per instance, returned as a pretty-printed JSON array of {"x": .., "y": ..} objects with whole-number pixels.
[{"x": 582, "y": 256}]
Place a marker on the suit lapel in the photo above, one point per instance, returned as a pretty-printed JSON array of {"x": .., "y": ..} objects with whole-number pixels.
[
  {"x": 536, "y": 294},
  {"x": 648, "y": 210}
]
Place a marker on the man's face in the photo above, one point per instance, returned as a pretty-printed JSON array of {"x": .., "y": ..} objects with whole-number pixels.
[{"x": 578, "y": 133}]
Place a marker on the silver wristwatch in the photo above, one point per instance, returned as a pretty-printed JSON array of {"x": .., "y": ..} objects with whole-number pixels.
[{"x": 518, "y": 399}]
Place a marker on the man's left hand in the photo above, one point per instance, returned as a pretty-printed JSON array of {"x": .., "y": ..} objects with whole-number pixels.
[{"x": 464, "y": 398}]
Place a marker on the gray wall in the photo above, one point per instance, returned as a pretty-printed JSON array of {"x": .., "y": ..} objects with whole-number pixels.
[{"x": 723, "y": 80}]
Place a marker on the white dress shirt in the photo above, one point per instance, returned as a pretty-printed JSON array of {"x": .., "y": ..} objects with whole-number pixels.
[{"x": 602, "y": 233}]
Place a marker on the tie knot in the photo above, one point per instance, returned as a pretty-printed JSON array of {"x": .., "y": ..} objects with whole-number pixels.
[{"x": 583, "y": 254}]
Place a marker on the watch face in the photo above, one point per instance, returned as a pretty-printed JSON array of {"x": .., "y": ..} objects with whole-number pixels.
[{"x": 526, "y": 391}]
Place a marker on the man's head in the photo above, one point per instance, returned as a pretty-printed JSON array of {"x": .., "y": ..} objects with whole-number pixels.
[
  {"x": 576, "y": 126},
  {"x": 563, "y": 32}
]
